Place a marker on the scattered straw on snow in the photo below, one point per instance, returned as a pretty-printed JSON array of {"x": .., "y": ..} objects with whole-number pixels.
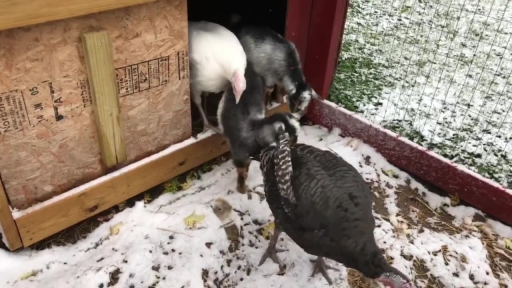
[{"x": 149, "y": 245}]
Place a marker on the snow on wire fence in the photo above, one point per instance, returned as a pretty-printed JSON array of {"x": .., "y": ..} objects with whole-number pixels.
[{"x": 435, "y": 71}]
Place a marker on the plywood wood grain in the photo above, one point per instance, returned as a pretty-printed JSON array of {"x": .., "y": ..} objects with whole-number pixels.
[{"x": 48, "y": 138}]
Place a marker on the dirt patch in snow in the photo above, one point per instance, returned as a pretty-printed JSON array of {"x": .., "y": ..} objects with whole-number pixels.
[{"x": 416, "y": 212}]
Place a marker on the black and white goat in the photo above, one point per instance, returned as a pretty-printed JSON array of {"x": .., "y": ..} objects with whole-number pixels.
[
  {"x": 245, "y": 125},
  {"x": 277, "y": 61}
]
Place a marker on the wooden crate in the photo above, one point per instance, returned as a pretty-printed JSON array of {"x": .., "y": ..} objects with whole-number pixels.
[{"x": 50, "y": 139}]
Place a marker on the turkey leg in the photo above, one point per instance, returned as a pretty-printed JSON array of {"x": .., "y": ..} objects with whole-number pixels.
[
  {"x": 196, "y": 97},
  {"x": 321, "y": 267},
  {"x": 242, "y": 169},
  {"x": 272, "y": 250}
]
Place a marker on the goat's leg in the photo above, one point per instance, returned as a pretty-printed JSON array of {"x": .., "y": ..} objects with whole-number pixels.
[
  {"x": 196, "y": 97},
  {"x": 279, "y": 94},
  {"x": 242, "y": 170},
  {"x": 269, "y": 88},
  {"x": 205, "y": 103},
  {"x": 268, "y": 96}
]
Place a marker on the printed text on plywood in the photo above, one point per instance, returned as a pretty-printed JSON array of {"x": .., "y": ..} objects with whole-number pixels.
[{"x": 24, "y": 109}]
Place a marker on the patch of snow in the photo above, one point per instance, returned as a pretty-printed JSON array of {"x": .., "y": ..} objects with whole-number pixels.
[
  {"x": 154, "y": 246},
  {"x": 500, "y": 228},
  {"x": 434, "y": 200},
  {"x": 19, "y": 213},
  {"x": 428, "y": 245},
  {"x": 460, "y": 213}
]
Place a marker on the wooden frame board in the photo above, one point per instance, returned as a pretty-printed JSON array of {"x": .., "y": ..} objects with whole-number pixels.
[
  {"x": 49, "y": 219},
  {"x": 327, "y": 20},
  {"x": 7, "y": 224},
  {"x": 65, "y": 210},
  {"x": 19, "y": 13}
]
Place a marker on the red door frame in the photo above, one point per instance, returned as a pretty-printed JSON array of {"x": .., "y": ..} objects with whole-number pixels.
[{"x": 316, "y": 28}]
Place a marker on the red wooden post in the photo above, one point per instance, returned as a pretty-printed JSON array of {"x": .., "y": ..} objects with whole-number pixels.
[
  {"x": 326, "y": 27},
  {"x": 298, "y": 14}
]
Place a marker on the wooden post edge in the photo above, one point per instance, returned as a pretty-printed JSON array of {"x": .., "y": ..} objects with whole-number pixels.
[
  {"x": 326, "y": 23},
  {"x": 88, "y": 200},
  {"x": 21, "y": 13},
  {"x": 7, "y": 223}
]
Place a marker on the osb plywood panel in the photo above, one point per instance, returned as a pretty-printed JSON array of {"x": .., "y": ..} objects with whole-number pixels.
[{"x": 48, "y": 138}]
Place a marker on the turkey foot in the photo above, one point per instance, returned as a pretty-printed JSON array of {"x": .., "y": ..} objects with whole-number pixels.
[
  {"x": 321, "y": 267},
  {"x": 272, "y": 250}
]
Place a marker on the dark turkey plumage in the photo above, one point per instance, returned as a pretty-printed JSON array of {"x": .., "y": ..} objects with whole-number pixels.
[{"x": 330, "y": 213}]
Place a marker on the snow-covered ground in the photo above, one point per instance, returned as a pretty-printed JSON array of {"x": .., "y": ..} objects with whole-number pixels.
[
  {"x": 150, "y": 245},
  {"x": 437, "y": 72}
]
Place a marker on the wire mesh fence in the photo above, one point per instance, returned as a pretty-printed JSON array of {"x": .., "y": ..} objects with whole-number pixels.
[{"x": 437, "y": 72}]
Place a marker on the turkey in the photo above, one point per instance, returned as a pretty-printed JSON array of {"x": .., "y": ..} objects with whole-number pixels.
[
  {"x": 217, "y": 60},
  {"x": 323, "y": 204},
  {"x": 277, "y": 61},
  {"x": 246, "y": 127}
]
